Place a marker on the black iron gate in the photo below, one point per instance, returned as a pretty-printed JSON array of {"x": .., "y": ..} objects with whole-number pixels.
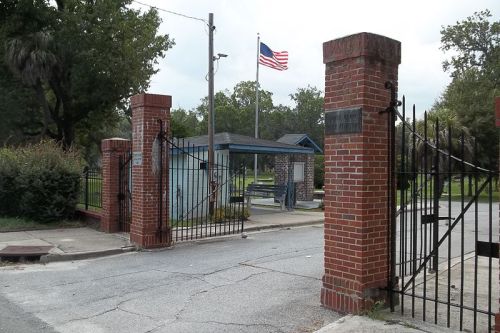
[
  {"x": 125, "y": 192},
  {"x": 443, "y": 234},
  {"x": 201, "y": 204}
]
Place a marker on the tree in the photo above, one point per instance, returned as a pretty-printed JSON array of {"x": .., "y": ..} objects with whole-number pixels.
[
  {"x": 183, "y": 123},
  {"x": 309, "y": 113},
  {"x": 82, "y": 59},
  {"x": 475, "y": 72}
]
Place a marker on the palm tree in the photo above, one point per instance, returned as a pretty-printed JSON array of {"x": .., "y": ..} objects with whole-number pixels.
[{"x": 32, "y": 61}]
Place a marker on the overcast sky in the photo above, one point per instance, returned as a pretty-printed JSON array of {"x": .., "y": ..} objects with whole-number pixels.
[{"x": 301, "y": 27}]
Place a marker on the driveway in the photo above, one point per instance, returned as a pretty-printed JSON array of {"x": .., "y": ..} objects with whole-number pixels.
[{"x": 268, "y": 282}]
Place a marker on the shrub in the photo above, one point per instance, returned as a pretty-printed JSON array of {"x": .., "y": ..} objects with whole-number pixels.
[
  {"x": 226, "y": 213},
  {"x": 319, "y": 171},
  {"x": 9, "y": 168},
  {"x": 47, "y": 181}
]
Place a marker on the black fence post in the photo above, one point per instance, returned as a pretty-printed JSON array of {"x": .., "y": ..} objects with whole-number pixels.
[{"x": 86, "y": 173}]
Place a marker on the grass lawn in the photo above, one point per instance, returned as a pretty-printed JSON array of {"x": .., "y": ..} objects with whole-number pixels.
[
  {"x": 456, "y": 190},
  {"x": 91, "y": 208},
  {"x": 20, "y": 224}
]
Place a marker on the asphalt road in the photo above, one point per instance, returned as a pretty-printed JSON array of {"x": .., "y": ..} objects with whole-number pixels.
[{"x": 269, "y": 282}]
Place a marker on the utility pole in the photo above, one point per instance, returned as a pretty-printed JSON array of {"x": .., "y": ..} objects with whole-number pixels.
[
  {"x": 211, "y": 117},
  {"x": 255, "y": 164}
]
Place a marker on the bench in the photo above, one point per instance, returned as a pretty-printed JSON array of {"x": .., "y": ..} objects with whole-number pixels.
[{"x": 278, "y": 192}]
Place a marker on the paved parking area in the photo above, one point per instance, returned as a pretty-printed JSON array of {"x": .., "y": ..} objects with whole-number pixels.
[{"x": 268, "y": 282}]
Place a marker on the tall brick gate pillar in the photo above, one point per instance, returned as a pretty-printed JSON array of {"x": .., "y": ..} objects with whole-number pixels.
[
  {"x": 356, "y": 169},
  {"x": 112, "y": 149},
  {"x": 497, "y": 122},
  {"x": 147, "y": 229}
]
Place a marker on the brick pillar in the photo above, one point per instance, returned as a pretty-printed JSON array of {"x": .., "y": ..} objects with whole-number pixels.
[
  {"x": 356, "y": 162},
  {"x": 497, "y": 122},
  {"x": 112, "y": 149},
  {"x": 147, "y": 109}
]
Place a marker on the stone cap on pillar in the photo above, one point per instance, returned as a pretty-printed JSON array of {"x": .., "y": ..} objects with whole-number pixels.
[
  {"x": 363, "y": 44},
  {"x": 115, "y": 144},
  {"x": 151, "y": 100}
]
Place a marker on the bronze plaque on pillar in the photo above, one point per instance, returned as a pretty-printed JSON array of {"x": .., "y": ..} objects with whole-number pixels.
[{"x": 343, "y": 121}]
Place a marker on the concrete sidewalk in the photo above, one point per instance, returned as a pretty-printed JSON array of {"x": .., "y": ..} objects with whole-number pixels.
[
  {"x": 271, "y": 218},
  {"x": 83, "y": 243},
  {"x": 69, "y": 244},
  {"x": 360, "y": 324}
]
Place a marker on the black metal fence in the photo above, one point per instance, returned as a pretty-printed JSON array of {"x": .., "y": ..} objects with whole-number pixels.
[
  {"x": 442, "y": 232},
  {"x": 201, "y": 206},
  {"x": 125, "y": 192},
  {"x": 91, "y": 192}
]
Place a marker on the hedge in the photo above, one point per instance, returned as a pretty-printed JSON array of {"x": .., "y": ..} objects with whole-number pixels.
[{"x": 39, "y": 182}]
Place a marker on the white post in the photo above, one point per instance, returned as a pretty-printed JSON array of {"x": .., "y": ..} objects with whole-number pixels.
[{"x": 256, "y": 107}]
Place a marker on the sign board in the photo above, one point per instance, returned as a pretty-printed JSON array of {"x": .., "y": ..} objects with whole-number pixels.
[
  {"x": 343, "y": 121},
  {"x": 298, "y": 172},
  {"x": 136, "y": 158}
]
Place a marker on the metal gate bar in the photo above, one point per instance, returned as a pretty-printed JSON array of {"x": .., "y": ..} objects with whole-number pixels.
[
  {"x": 125, "y": 192},
  {"x": 441, "y": 268},
  {"x": 195, "y": 210}
]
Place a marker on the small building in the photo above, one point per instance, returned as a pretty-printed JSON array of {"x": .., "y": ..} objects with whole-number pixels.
[
  {"x": 188, "y": 186},
  {"x": 301, "y": 165}
]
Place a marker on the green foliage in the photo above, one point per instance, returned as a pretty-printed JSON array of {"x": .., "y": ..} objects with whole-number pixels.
[
  {"x": 309, "y": 113},
  {"x": 475, "y": 42},
  {"x": 81, "y": 60},
  {"x": 475, "y": 71},
  {"x": 225, "y": 213},
  {"x": 235, "y": 113},
  {"x": 183, "y": 123},
  {"x": 319, "y": 171},
  {"x": 9, "y": 169},
  {"x": 375, "y": 312},
  {"x": 43, "y": 181},
  {"x": 8, "y": 224}
]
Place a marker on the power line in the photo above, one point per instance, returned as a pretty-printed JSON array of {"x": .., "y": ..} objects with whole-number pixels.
[{"x": 171, "y": 12}]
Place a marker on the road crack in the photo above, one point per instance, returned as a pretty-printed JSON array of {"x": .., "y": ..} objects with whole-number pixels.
[{"x": 277, "y": 329}]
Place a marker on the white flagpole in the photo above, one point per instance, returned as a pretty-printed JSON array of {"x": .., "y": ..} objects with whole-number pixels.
[{"x": 256, "y": 107}]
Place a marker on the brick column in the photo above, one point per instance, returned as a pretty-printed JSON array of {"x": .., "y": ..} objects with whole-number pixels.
[
  {"x": 356, "y": 167},
  {"x": 112, "y": 149},
  {"x": 147, "y": 109},
  {"x": 497, "y": 123}
]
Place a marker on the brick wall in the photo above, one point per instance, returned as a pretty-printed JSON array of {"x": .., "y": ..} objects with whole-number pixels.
[
  {"x": 356, "y": 167},
  {"x": 145, "y": 229},
  {"x": 111, "y": 149},
  {"x": 304, "y": 190}
]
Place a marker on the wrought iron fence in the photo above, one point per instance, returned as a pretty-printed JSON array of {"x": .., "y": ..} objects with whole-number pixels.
[
  {"x": 91, "y": 191},
  {"x": 443, "y": 240},
  {"x": 197, "y": 206}
]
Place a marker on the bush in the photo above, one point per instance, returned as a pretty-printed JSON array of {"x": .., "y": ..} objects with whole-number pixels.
[
  {"x": 9, "y": 168},
  {"x": 319, "y": 171},
  {"x": 46, "y": 183},
  {"x": 227, "y": 213}
]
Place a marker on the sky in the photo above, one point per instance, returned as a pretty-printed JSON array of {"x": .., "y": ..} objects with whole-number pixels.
[{"x": 301, "y": 28}]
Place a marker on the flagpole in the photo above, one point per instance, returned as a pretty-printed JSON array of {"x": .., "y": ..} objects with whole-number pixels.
[{"x": 256, "y": 108}]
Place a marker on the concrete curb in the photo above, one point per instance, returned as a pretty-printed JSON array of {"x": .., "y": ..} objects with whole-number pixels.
[
  {"x": 282, "y": 225},
  {"x": 56, "y": 257}
]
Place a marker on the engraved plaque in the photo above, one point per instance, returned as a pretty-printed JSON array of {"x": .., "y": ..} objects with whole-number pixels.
[
  {"x": 343, "y": 121},
  {"x": 137, "y": 158}
]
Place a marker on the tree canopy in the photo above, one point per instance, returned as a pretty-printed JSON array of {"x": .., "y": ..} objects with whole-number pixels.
[
  {"x": 235, "y": 113},
  {"x": 475, "y": 70},
  {"x": 76, "y": 62}
]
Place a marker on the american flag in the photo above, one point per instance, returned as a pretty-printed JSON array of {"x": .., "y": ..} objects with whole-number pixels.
[{"x": 276, "y": 60}]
